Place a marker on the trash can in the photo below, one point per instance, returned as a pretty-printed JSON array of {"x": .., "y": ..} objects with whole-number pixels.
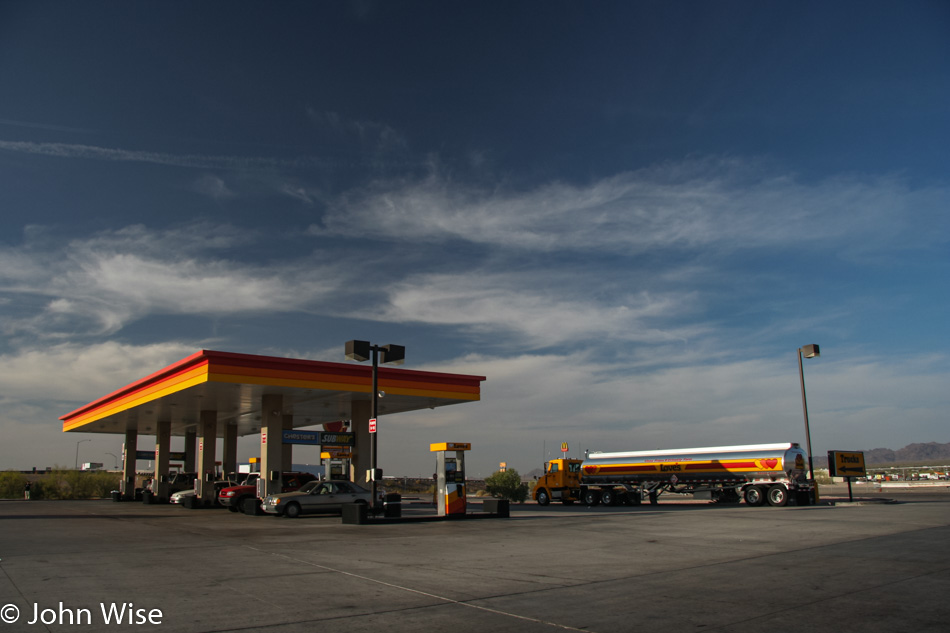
[
  {"x": 355, "y": 513},
  {"x": 147, "y": 498},
  {"x": 392, "y": 505},
  {"x": 116, "y": 495}
]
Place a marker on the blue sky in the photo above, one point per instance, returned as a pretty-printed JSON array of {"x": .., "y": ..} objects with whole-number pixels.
[{"x": 628, "y": 216}]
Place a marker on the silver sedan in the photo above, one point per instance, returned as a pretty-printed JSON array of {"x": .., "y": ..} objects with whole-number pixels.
[{"x": 316, "y": 496}]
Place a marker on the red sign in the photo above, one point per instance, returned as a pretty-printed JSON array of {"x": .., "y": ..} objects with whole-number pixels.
[{"x": 372, "y": 425}]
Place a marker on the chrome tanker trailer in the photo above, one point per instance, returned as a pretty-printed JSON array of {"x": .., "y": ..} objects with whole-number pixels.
[{"x": 758, "y": 473}]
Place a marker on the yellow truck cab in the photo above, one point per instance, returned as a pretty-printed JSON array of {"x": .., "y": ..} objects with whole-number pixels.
[{"x": 561, "y": 482}]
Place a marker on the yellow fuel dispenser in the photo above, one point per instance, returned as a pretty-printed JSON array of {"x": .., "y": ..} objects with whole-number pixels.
[{"x": 450, "y": 476}]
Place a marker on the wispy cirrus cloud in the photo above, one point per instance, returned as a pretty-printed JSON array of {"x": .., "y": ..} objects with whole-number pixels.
[
  {"x": 101, "y": 283},
  {"x": 540, "y": 308},
  {"x": 92, "y": 152},
  {"x": 724, "y": 204}
]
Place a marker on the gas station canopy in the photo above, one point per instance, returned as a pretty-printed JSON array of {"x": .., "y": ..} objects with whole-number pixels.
[{"x": 313, "y": 392}]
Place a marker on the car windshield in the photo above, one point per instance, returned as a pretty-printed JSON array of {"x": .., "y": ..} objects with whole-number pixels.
[{"x": 310, "y": 485}]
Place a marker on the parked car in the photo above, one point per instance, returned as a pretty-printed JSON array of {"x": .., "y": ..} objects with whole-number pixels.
[
  {"x": 233, "y": 498},
  {"x": 181, "y": 481},
  {"x": 316, "y": 496},
  {"x": 179, "y": 497}
]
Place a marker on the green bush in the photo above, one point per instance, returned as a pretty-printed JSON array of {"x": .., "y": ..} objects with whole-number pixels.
[
  {"x": 59, "y": 484},
  {"x": 507, "y": 485},
  {"x": 12, "y": 485}
]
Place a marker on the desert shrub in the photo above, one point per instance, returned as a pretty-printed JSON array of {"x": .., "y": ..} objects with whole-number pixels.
[
  {"x": 12, "y": 485},
  {"x": 66, "y": 484},
  {"x": 507, "y": 485}
]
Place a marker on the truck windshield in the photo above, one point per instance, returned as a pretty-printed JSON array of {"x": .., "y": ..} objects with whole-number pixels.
[{"x": 574, "y": 468}]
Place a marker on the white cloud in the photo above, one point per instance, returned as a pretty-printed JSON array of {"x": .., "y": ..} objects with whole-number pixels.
[
  {"x": 540, "y": 308},
  {"x": 104, "y": 282},
  {"x": 80, "y": 373},
  {"x": 699, "y": 204},
  {"x": 213, "y": 187},
  {"x": 73, "y": 151}
]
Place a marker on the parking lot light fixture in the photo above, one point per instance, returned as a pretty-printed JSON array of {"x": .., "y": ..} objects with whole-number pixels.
[
  {"x": 808, "y": 351},
  {"x": 77, "y": 451},
  {"x": 387, "y": 354}
]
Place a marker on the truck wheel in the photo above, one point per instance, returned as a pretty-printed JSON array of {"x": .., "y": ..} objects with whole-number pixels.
[
  {"x": 777, "y": 495},
  {"x": 240, "y": 503},
  {"x": 591, "y": 497},
  {"x": 608, "y": 498},
  {"x": 543, "y": 498},
  {"x": 233, "y": 508},
  {"x": 754, "y": 496}
]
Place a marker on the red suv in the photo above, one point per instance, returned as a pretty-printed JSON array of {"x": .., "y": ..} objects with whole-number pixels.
[{"x": 233, "y": 498}]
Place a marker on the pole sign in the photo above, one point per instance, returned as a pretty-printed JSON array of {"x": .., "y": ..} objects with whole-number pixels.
[
  {"x": 301, "y": 437},
  {"x": 846, "y": 464},
  {"x": 372, "y": 425},
  {"x": 318, "y": 438},
  {"x": 563, "y": 447}
]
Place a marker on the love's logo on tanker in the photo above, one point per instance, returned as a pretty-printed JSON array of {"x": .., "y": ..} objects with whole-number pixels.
[
  {"x": 767, "y": 464},
  {"x": 591, "y": 470}
]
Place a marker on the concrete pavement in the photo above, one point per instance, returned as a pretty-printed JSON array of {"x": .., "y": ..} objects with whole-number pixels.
[{"x": 682, "y": 566}]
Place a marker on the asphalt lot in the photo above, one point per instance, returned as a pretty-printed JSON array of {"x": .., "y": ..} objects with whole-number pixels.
[{"x": 676, "y": 566}]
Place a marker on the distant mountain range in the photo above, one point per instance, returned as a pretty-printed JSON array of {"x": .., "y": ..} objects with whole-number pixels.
[{"x": 931, "y": 453}]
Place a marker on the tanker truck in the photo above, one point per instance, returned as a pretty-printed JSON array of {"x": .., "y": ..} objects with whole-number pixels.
[{"x": 776, "y": 474}]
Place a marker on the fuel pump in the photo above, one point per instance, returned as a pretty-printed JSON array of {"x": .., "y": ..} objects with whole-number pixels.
[
  {"x": 336, "y": 464},
  {"x": 450, "y": 476}
]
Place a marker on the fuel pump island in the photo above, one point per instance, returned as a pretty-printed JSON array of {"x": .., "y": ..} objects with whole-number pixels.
[{"x": 450, "y": 477}]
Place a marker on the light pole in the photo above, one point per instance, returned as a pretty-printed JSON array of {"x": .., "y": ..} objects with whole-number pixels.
[
  {"x": 77, "y": 451},
  {"x": 116, "y": 460},
  {"x": 393, "y": 354},
  {"x": 808, "y": 351}
]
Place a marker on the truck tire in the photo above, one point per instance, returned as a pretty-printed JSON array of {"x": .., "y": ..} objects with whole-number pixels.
[
  {"x": 608, "y": 498},
  {"x": 591, "y": 497},
  {"x": 543, "y": 497},
  {"x": 777, "y": 495},
  {"x": 754, "y": 496}
]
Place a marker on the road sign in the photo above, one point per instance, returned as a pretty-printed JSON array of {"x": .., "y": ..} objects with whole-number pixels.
[
  {"x": 372, "y": 425},
  {"x": 846, "y": 464}
]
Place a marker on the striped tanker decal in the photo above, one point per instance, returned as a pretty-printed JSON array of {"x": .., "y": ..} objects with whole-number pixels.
[{"x": 692, "y": 468}]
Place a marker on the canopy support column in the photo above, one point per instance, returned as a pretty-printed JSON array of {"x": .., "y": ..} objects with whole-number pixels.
[
  {"x": 127, "y": 485},
  {"x": 163, "y": 443},
  {"x": 229, "y": 459},
  {"x": 272, "y": 440},
  {"x": 207, "y": 443},
  {"x": 361, "y": 461}
]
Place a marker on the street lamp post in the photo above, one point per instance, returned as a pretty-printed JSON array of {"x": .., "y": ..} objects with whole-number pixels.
[
  {"x": 116, "y": 460},
  {"x": 77, "y": 451},
  {"x": 392, "y": 354},
  {"x": 808, "y": 351}
]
